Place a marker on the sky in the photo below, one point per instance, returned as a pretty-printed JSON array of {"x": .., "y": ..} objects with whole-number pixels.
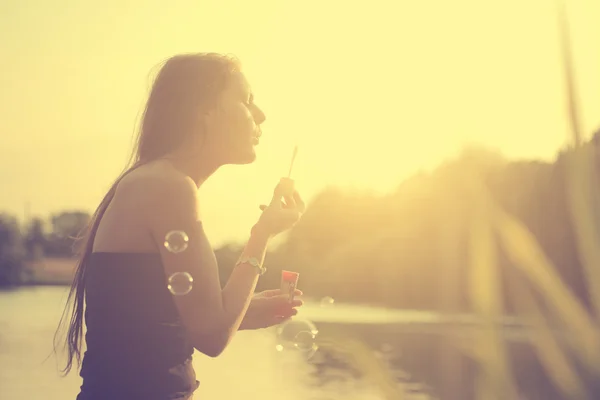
[{"x": 371, "y": 92}]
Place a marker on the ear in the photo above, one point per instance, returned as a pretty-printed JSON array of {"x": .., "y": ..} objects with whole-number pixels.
[{"x": 206, "y": 124}]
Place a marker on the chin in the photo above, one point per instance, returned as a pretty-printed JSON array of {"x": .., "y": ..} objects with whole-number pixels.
[{"x": 246, "y": 158}]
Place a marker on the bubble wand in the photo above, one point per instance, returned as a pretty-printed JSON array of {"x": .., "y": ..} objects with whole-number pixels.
[
  {"x": 287, "y": 181},
  {"x": 289, "y": 279},
  {"x": 293, "y": 159}
]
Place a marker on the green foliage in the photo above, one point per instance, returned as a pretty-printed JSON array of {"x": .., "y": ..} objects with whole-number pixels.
[
  {"x": 18, "y": 249},
  {"x": 12, "y": 252},
  {"x": 35, "y": 239},
  {"x": 66, "y": 227}
]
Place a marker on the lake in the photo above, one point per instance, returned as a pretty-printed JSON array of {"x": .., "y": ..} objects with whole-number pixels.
[{"x": 415, "y": 348}]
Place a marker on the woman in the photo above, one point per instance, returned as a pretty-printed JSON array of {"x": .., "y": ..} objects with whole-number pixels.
[{"x": 142, "y": 328}]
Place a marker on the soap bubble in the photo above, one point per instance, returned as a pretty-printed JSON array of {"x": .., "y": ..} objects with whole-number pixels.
[
  {"x": 298, "y": 335},
  {"x": 305, "y": 340},
  {"x": 176, "y": 241},
  {"x": 180, "y": 283},
  {"x": 327, "y": 301}
]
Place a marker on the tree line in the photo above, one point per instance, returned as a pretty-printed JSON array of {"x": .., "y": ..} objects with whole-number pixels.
[{"x": 407, "y": 249}]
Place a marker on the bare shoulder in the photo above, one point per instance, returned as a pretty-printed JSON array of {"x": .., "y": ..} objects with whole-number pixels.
[{"x": 158, "y": 191}]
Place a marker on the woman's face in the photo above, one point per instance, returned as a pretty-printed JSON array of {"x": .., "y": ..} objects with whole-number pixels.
[{"x": 233, "y": 126}]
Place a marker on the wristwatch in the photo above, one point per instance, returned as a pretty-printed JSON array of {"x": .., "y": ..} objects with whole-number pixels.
[{"x": 255, "y": 263}]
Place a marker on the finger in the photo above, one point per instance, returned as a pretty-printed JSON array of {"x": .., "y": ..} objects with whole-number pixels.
[
  {"x": 263, "y": 207},
  {"x": 283, "y": 306},
  {"x": 277, "y": 195},
  {"x": 300, "y": 205},
  {"x": 271, "y": 292},
  {"x": 277, "y": 292},
  {"x": 280, "y": 299},
  {"x": 296, "y": 303},
  {"x": 289, "y": 201}
]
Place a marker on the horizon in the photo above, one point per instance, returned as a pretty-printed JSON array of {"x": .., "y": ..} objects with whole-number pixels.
[{"x": 402, "y": 106}]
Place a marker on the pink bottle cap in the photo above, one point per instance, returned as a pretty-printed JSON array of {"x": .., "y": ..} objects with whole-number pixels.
[{"x": 290, "y": 276}]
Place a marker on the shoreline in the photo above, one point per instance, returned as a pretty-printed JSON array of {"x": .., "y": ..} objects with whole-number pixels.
[{"x": 48, "y": 271}]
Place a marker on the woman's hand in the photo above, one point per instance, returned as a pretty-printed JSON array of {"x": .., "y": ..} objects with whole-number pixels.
[
  {"x": 269, "y": 308},
  {"x": 280, "y": 216}
]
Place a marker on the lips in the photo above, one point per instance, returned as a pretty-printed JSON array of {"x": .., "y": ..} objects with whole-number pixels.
[{"x": 256, "y": 136}]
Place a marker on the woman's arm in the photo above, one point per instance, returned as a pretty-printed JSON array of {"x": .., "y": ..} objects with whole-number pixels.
[{"x": 211, "y": 314}]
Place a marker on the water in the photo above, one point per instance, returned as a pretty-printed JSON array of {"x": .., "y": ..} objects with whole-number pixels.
[
  {"x": 297, "y": 334},
  {"x": 28, "y": 318},
  {"x": 418, "y": 350}
]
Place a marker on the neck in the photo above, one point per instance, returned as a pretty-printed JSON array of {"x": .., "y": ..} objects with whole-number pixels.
[{"x": 199, "y": 167}]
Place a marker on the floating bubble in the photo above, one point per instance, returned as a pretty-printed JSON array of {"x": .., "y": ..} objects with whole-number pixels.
[
  {"x": 305, "y": 341},
  {"x": 176, "y": 241},
  {"x": 327, "y": 301},
  {"x": 297, "y": 335},
  {"x": 180, "y": 283}
]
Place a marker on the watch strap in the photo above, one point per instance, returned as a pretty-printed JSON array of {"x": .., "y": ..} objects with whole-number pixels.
[{"x": 253, "y": 261}]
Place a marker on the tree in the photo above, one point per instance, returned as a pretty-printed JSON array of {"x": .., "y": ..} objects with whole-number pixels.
[
  {"x": 410, "y": 249},
  {"x": 66, "y": 226},
  {"x": 12, "y": 251},
  {"x": 35, "y": 239}
]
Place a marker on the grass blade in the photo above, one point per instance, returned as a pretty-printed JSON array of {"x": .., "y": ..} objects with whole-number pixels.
[
  {"x": 567, "y": 58},
  {"x": 552, "y": 357},
  {"x": 486, "y": 298},
  {"x": 525, "y": 253}
]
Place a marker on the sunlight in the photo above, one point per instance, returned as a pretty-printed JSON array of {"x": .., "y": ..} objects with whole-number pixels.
[{"x": 445, "y": 152}]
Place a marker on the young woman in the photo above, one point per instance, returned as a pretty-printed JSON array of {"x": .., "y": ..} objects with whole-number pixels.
[{"x": 142, "y": 327}]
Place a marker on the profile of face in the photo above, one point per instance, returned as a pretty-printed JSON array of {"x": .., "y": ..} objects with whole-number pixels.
[{"x": 232, "y": 127}]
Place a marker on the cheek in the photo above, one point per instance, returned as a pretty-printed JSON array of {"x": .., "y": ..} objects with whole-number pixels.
[
  {"x": 240, "y": 114},
  {"x": 237, "y": 122},
  {"x": 232, "y": 126}
]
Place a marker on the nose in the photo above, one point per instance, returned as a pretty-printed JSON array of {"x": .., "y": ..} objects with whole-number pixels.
[{"x": 259, "y": 115}]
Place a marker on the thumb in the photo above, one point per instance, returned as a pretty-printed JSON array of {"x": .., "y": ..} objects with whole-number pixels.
[{"x": 279, "y": 300}]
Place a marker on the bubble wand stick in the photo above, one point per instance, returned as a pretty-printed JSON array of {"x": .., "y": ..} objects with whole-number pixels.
[
  {"x": 289, "y": 279},
  {"x": 288, "y": 182},
  {"x": 292, "y": 163}
]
